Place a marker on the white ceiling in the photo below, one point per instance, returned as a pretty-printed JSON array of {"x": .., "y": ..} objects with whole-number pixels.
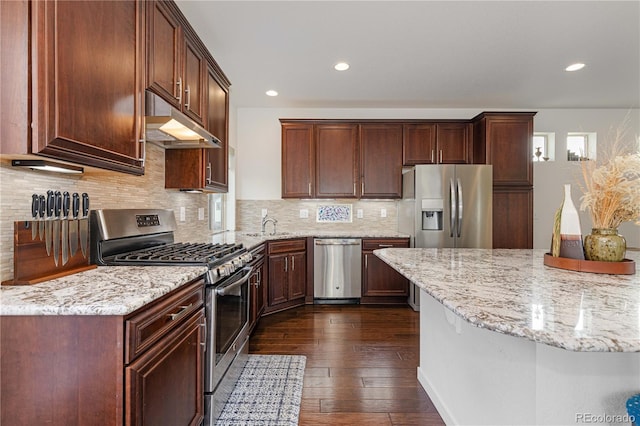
[{"x": 425, "y": 54}]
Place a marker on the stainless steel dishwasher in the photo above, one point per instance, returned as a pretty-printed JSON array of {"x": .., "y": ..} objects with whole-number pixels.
[{"x": 337, "y": 270}]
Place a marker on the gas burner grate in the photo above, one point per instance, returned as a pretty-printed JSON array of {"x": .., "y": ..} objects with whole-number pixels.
[{"x": 197, "y": 253}]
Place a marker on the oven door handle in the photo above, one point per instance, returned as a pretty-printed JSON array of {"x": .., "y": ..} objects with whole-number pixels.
[{"x": 222, "y": 290}]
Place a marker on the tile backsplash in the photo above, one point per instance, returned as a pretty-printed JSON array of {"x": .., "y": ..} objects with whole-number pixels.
[
  {"x": 288, "y": 214},
  {"x": 106, "y": 190}
]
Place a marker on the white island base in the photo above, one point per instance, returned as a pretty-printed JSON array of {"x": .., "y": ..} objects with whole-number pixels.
[{"x": 479, "y": 377}]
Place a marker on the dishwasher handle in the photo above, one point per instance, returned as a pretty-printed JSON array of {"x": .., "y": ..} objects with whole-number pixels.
[{"x": 337, "y": 242}]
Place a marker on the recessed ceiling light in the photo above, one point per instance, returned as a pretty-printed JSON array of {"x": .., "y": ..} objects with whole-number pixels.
[
  {"x": 341, "y": 66},
  {"x": 574, "y": 67},
  {"x": 271, "y": 93}
]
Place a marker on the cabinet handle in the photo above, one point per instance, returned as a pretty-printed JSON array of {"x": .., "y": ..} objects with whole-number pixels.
[
  {"x": 183, "y": 310},
  {"x": 293, "y": 263},
  {"x": 187, "y": 102},
  {"x": 204, "y": 341},
  {"x": 209, "y": 173},
  {"x": 366, "y": 261},
  {"x": 179, "y": 89},
  {"x": 286, "y": 264},
  {"x": 143, "y": 150},
  {"x": 309, "y": 188},
  {"x": 362, "y": 188},
  {"x": 385, "y": 245},
  {"x": 259, "y": 282},
  {"x": 354, "y": 188},
  {"x": 440, "y": 156},
  {"x": 432, "y": 156}
]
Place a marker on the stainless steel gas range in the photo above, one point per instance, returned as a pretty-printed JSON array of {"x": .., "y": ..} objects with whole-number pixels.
[{"x": 146, "y": 237}]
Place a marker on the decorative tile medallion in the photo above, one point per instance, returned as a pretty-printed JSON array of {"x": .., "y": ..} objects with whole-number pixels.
[{"x": 340, "y": 213}]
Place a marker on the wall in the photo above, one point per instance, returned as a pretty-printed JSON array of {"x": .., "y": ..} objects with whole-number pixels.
[
  {"x": 259, "y": 163},
  {"x": 106, "y": 190}
]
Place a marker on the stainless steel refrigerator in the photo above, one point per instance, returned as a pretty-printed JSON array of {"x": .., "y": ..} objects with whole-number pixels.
[{"x": 446, "y": 206}]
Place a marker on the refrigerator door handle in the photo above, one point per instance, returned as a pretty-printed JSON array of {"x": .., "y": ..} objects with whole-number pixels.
[
  {"x": 459, "y": 186},
  {"x": 452, "y": 208}
]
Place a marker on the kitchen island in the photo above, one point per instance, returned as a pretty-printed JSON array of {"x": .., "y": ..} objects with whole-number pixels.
[{"x": 505, "y": 339}]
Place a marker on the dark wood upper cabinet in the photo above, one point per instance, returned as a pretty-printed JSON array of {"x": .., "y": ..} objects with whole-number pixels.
[
  {"x": 217, "y": 114},
  {"x": 380, "y": 161},
  {"x": 87, "y": 84},
  {"x": 505, "y": 141},
  {"x": 437, "y": 143},
  {"x": 336, "y": 160},
  {"x": 297, "y": 160},
  {"x": 194, "y": 81}
]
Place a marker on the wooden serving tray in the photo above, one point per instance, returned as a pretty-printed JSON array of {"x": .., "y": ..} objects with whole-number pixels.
[
  {"x": 31, "y": 265},
  {"x": 626, "y": 267}
]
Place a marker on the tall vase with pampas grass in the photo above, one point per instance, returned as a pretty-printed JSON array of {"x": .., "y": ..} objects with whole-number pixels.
[{"x": 611, "y": 195}]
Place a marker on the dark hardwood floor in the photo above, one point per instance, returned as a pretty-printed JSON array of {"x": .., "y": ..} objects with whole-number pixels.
[{"x": 361, "y": 363}]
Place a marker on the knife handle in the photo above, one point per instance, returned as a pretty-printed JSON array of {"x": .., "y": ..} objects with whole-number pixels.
[
  {"x": 42, "y": 206},
  {"x": 35, "y": 205},
  {"x": 58, "y": 204},
  {"x": 51, "y": 203},
  {"x": 75, "y": 205},
  {"x": 85, "y": 204},
  {"x": 65, "y": 204}
]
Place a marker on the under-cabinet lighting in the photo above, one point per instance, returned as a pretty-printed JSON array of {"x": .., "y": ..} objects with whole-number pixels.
[
  {"x": 47, "y": 166},
  {"x": 178, "y": 130},
  {"x": 192, "y": 191}
]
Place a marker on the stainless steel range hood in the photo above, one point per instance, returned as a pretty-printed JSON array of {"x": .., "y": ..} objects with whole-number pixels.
[{"x": 171, "y": 129}]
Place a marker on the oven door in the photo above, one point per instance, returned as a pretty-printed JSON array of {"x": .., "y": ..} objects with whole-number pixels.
[{"x": 227, "y": 313}]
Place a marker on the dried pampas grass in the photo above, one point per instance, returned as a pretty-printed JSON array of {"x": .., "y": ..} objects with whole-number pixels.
[{"x": 611, "y": 184}]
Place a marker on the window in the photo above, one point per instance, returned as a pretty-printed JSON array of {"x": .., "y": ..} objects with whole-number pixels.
[
  {"x": 543, "y": 146},
  {"x": 581, "y": 146},
  {"x": 216, "y": 212}
]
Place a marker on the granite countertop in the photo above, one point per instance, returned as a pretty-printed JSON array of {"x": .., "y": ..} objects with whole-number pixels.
[
  {"x": 105, "y": 290},
  {"x": 253, "y": 239},
  {"x": 513, "y": 292}
]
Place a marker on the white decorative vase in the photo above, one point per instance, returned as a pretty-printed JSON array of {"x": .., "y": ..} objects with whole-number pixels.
[{"x": 570, "y": 231}]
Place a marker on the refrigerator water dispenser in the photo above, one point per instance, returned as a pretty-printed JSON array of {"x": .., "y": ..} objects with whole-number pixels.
[{"x": 432, "y": 210}]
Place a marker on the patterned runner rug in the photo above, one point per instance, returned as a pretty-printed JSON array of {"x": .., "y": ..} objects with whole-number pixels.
[{"x": 268, "y": 392}]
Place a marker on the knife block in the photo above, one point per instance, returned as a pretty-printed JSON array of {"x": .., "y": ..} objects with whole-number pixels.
[{"x": 32, "y": 265}]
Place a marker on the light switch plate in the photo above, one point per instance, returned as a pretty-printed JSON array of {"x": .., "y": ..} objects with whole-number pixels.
[
  {"x": 183, "y": 214},
  {"x": 359, "y": 213},
  {"x": 201, "y": 213},
  {"x": 304, "y": 213},
  {"x": 383, "y": 212}
]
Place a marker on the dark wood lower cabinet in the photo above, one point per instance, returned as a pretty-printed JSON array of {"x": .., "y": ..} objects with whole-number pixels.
[
  {"x": 513, "y": 218},
  {"x": 257, "y": 286},
  {"x": 287, "y": 274},
  {"x": 164, "y": 386},
  {"x": 380, "y": 282},
  {"x": 74, "y": 370}
]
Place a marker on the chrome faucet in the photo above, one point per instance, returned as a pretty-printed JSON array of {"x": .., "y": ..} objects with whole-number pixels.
[{"x": 266, "y": 220}]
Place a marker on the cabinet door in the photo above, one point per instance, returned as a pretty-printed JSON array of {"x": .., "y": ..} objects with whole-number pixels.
[
  {"x": 379, "y": 279},
  {"x": 193, "y": 91},
  {"x": 297, "y": 160},
  {"x": 257, "y": 294},
  {"x": 336, "y": 153},
  {"x": 297, "y": 279},
  {"x": 88, "y": 82},
  {"x": 381, "y": 160},
  {"x": 278, "y": 267},
  {"x": 513, "y": 218},
  {"x": 186, "y": 168},
  {"x": 508, "y": 141},
  {"x": 419, "y": 144},
  {"x": 217, "y": 108},
  {"x": 165, "y": 386},
  {"x": 453, "y": 143},
  {"x": 164, "y": 46}
]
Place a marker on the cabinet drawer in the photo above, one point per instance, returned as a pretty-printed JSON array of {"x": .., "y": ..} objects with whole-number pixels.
[
  {"x": 287, "y": 246},
  {"x": 145, "y": 328},
  {"x": 384, "y": 243}
]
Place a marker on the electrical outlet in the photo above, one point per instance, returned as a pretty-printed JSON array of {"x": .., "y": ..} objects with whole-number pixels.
[
  {"x": 264, "y": 212},
  {"x": 201, "y": 213},
  {"x": 359, "y": 213},
  {"x": 304, "y": 213},
  {"x": 183, "y": 214},
  {"x": 383, "y": 212}
]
